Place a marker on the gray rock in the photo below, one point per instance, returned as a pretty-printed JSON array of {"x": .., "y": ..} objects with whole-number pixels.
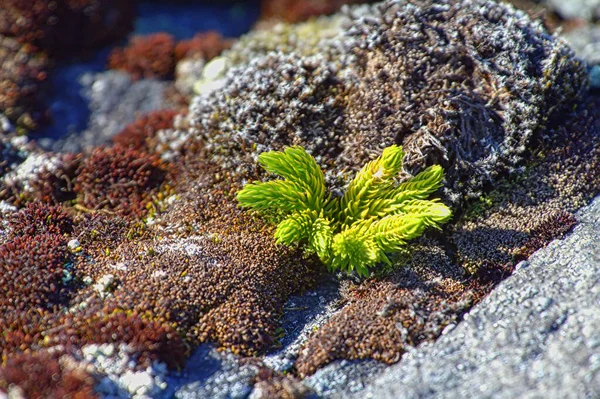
[
  {"x": 344, "y": 377},
  {"x": 115, "y": 100},
  {"x": 586, "y": 9},
  {"x": 536, "y": 335},
  {"x": 302, "y": 315},
  {"x": 212, "y": 374},
  {"x": 585, "y": 41}
]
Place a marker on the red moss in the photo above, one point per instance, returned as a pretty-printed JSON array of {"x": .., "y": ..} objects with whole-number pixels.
[
  {"x": 23, "y": 71},
  {"x": 66, "y": 26},
  {"x": 136, "y": 134},
  {"x": 40, "y": 375},
  {"x": 38, "y": 218},
  {"x": 300, "y": 10},
  {"x": 55, "y": 186},
  {"x": 31, "y": 272},
  {"x": 118, "y": 179},
  {"x": 21, "y": 331},
  {"x": 151, "y": 56},
  {"x": 207, "y": 45},
  {"x": 109, "y": 324}
]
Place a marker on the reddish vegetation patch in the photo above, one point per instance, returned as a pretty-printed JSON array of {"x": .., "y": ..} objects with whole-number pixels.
[
  {"x": 33, "y": 282},
  {"x": 119, "y": 179},
  {"x": 269, "y": 384},
  {"x": 136, "y": 134},
  {"x": 38, "y": 218},
  {"x": 151, "y": 56},
  {"x": 155, "y": 55},
  {"x": 300, "y": 10},
  {"x": 32, "y": 272},
  {"x": 40, "y": 375},
  {"x": 66, "y": 26},
  {"x": 105, "y": 322},
  {"x": 207, "y": 45},
  {"x": 55, "y": 186},
  {"x": 23, "y": 71}
]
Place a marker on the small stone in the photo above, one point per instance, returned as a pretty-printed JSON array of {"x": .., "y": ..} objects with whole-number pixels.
[{"x": 74, "y": 245}]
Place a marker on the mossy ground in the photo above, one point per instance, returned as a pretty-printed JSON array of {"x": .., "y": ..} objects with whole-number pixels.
[{"x": 166, "y": 260}]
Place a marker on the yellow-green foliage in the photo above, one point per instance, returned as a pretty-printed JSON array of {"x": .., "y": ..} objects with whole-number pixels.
[{"x": 352, "y": 232}]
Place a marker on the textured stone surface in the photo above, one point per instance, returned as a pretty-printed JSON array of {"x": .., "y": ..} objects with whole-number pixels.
[
  {"x": 536, "y": 335},
  {"x": 115, "y": 100},
  {"x": 211, "y": 374},
  {"x": 586, "y": 9}
]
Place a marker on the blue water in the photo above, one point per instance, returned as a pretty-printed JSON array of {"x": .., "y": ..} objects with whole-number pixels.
[{"x": 69, "y": 108}]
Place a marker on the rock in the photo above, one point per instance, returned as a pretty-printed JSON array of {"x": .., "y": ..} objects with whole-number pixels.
[
  {"x": 535, "y": 335},
  {"x": 115, "y": 100},
  {"x": 584, "y": 9}
]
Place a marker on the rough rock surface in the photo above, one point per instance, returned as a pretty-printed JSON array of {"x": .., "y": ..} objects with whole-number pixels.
[
  {"x": 536, "y": 335},
  {"x": 115, "y": 100}
]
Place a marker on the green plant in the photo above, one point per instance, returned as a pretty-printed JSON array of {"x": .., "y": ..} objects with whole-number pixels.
[{"x": 352, "y": 232}]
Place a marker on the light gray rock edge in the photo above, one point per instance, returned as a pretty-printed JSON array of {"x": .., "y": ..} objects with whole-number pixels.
[{"x": 537, "y": 335}]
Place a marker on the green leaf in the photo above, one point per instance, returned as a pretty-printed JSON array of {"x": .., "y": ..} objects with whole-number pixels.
[
  {"x": 392, "y": 232},
  {"x": 433, "y": 212},
  {"x": 294, "y": 228},
  {"x": 307, "y": 225},
  {"x": 373, "y": 180},
  {"x": 321, "y": 237},
  {"x": 276, "y": 194},
  {"x": 419, "y": 186},
  {"x": 352, "y": 251},
  {"x": 297, "y": 166}
]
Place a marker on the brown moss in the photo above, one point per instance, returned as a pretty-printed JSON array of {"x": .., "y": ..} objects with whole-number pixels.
[
  {"x": 151, "y": 56},
  {"x": 383, "y": 317},
  {"x": 137, "y": 134},
  {"x": 40, "y": 375},
  {"x": 66, "y": 27},
  {"x": 206, "y": 45},
  {"x": 119, "y": 179}
]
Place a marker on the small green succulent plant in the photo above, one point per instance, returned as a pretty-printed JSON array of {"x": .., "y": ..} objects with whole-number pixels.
[{"x": 375, "y": 216}]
